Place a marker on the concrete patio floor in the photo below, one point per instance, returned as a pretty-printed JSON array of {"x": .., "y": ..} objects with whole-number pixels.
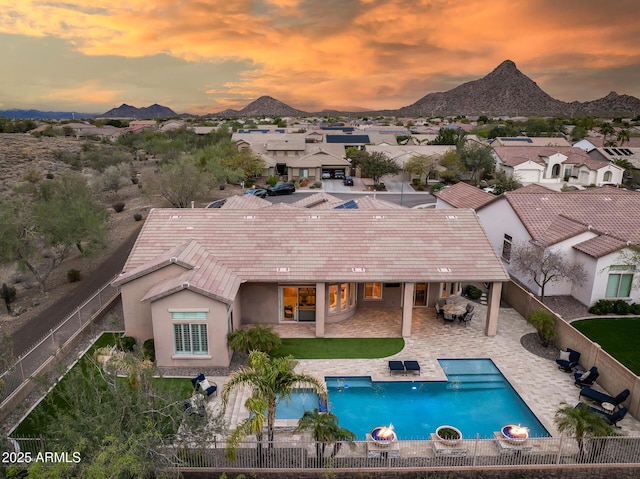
[{"x": 537, "y": 380}]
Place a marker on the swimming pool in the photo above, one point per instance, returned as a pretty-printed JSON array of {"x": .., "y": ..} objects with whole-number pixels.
[{"x": 476, "y": 399}]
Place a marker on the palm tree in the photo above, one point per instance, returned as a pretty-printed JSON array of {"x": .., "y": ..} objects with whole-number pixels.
[
  {"x": 257, "y": 338},
  {"x": 324, "y": 430},
  {"x": 254, "y": 424},
  {"x": 606, "y": 129},
  {"x": 623, "y": 136},
  {"x": 581, "y": 423},
  {"x": 270, "y": 379}
]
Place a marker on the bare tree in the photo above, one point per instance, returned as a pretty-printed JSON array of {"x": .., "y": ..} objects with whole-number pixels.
[
  {"x": 545, "y": 266},
  {"x": 180, "y": 182}
]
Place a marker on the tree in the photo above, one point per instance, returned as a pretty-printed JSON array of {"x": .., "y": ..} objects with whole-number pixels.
[
  {"x": 120, "y": 428},
  {"x": 256, "y": 338},
  {"x": 477, "y": 159},
  {"x": 623, "y": 137},
  {"x": 376, "y": 165},
  {"x": 422, "y": 165},
  {"x": 270, "y": 379},
  {"x": 503, "y": 183},
  {"x": 578, "y": 133},
  {"x": 245, "y": 162},
  {"x": 449, "y": 136},
  {"x": 325, "y": 430},
  {"x": 254, "y": 424},
  {"x": 115, "y": 177},
  {"x": 180, "y": 182},
  {"x": 544, "y": 266},
  {"x": 581, "y": 423},
  {"x": 41, "y": 223},
  {"x": 606, "y": 129},
  {"x": 452, "y": 165}
]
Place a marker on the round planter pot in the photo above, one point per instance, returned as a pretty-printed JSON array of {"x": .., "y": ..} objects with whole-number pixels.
[{"x": 449, "y": 435}]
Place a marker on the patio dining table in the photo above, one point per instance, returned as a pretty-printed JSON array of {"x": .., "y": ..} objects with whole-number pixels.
[{"x": 454, "y": 309}]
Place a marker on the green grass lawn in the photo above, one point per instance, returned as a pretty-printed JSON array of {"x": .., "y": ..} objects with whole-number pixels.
[
  {"x": 620, "y": 337},
  {"x": 33, "y": 424},
  {"x": 340, "y": 348}
]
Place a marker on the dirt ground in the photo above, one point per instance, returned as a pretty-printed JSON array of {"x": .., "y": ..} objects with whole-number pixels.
[{"x": 19, "y": 154}]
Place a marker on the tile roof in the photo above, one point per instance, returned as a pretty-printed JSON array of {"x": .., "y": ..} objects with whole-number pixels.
[
  {"x": 551, "y": 216},
  {"x": 319, "y": 200},
  {"x": 463, "y": 195},
  {"x": 289, "y": 244},
  {"x": 515, "y": 155},
  {"x": 531, "y": 141},
  {"x": 600, "y": 246},
  {"x": 239, "y": 202}
]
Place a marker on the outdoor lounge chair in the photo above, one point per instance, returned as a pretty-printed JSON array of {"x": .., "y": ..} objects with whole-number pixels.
[
  {"x": 396, "y": 367},
  {"x": 568, "y": 360},
  {"x": 200, "y": 383},
  {"x": 611, "y": 418},
  {"x": 439, "y": 310},
  {"x": 587, "y": 378},
  {"x": 599, "y": 397},
  {"x": 412, "y": 366}
]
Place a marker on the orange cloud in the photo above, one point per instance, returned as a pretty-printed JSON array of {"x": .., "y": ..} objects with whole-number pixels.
[{"x": 380, "y": 54}]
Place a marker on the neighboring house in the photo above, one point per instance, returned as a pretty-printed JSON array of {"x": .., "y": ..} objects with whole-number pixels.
[
  {"x": 403, "y": 153},
  {"x": 106, "y": 132},
  {"x": 611, "y": 154},
  {"x": 529, "y": 141},
  {"x": 555, "y": 165},
  {"x": 291, "y": 156},
  {"x": 593, "y": 227},
  {"x": 194, "y": 275}
]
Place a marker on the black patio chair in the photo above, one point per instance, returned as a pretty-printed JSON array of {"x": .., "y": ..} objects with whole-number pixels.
[
  {"x": 396, "y": 367},
  {"x": 568, "y": 360},
  {"x": 587, "y": 378}
]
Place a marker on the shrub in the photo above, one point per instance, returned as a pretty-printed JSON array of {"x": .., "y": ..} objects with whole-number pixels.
[
  {"x": 127, "y": 343},
  {"x": 472, "y": 292},
  {"x": 272, "y": 180},
  {"x": 545, "y": 324},
  {"x": 603, "y": 306},
  {"x": 49, "y": 176},
  {"x": 149, "y": 349},
  {"x": 118, "y": 206},
  {"x": 303, "y": 182},
  {"x": 416, "y": 181},
  {"x": 221, "y": 187},
  {"x": 635, "y": 308},
  {"x": 317, "y": 184},
  {"x": 249, "y": 183},
  {"x": 73, "y": 275},
  {"x": 437, "y": 187},
  {"x": 621, "y": 307},
  {"x": 137, "y": 216},
  {"x": 8, "y": 294}
]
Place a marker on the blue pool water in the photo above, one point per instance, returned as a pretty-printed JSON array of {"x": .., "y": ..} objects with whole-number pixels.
[
  {"x": 476, "y": 399},
  {"x": 301, "y": 400}
]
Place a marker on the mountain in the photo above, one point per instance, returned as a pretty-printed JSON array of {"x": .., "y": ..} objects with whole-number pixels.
[
  {"x": 504, "y": 91},
  {"x": 508, "y": 91},
  {"x": 44, "y": 115},
  {"x": 149, "y": 112},
  {"x": 268, "y": 106},
  {"x": 611, "y": 105}
]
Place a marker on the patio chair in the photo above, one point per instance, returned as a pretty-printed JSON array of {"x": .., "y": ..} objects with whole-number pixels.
[
  {"x": 396, "y": 367},
  {"x": 611, "y": 418},
  {"x": 470, "y": 308},
  {"x": 201, "y": 383},
  {"x": 439, "y": 310},
  {"x": 587, "y": 378},
  {"x": 600, "y": 398},
  {"x": 466, "y": 318},
  {"x": 412, "y": 366},
  {"x": 568, "y": 360}
]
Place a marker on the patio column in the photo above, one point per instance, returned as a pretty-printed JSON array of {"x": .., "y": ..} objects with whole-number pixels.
[
  {"x": 493, "y": 308},
  {"x": 320, "y": 309},
  {"x": 407, "y": 309}
]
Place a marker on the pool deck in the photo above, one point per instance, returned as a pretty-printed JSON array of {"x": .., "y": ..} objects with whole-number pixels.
[{"x": 537, "y": 380}]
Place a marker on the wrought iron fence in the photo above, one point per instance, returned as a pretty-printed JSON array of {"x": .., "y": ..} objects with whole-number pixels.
[
  {"x": 430, "y": 454},
  {"x": 28, "y": 363}
]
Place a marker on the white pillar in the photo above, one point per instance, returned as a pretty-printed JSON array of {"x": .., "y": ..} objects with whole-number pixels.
[
  {"x": 320, "y": 309},
  {"x": 407, "y": 309}
]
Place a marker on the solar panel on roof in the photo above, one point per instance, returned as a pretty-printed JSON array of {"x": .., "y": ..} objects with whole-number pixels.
[
  {"x": 608, "y": 151},
  {"x": 616, "y": 151},
  {"x": 348, "y": 139},
  {"x": 627, "y": 151},
  {"x": 528, "y": 140},
  {"x": 348, "y": 205}
]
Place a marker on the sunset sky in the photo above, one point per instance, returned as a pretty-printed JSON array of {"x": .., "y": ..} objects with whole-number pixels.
[{"x": 203, "y": 56}]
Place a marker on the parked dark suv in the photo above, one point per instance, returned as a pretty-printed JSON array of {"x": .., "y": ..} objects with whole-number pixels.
[
  {"x": 281, "y": 189},
  {"x": 348, "y": 181},
  {"x": 339, "y": 175}
]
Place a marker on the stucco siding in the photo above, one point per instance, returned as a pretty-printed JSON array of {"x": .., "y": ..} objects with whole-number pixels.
[
  {"x": 137, "y": 315},
  {"x": 163, "y": 331},
  {"x": 259, "y": 303}
]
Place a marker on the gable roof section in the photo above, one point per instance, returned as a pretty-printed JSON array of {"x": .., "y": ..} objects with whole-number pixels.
[
  {"x": 516, "y": 155},
  {"x": 210, "y": 278},
  {"x": 600, "y": 246},
  {"x": 289, "y": 244},
  {"x": 551, "y": 216},
  {"x": 239, "y": 202},
  {"x": 317, "y": 200},
  {"x": 463, "y": 195},
  {"x": 181, "y": 254}
]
